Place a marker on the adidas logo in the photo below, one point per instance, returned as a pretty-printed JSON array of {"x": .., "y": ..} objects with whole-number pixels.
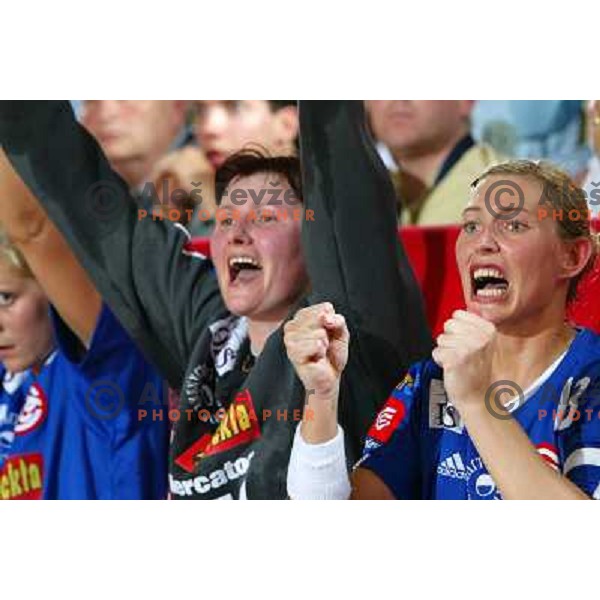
[{"x": 453, "y": 466}]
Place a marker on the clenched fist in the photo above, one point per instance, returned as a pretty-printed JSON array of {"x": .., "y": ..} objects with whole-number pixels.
[
  {"x": 465, "y": 352},
  {"x": 317, "y": 341}
]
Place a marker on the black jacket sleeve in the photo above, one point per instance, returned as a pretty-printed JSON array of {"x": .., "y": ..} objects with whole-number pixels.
[
  {"x": 162, "y": 294},
  {"x": 354, "y": 257}
]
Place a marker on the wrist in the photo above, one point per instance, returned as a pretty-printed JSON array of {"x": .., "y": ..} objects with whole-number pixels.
[
  {"x": 480, "y": 408},
  {"x": 320, "y": 418},
  {"x": 327, "y": 397}
]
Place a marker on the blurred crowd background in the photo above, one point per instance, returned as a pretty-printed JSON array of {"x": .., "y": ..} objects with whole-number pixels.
[{"x": 433, "y": 149}]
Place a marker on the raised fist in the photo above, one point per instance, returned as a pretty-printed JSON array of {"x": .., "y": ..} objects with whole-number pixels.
[
  {"x": 465, "y": 351},
  {"x": 317, "y": 342}
]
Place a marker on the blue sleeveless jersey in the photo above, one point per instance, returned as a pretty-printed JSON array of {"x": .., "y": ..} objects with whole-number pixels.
[
  {"x": 420, "y": 448},
  {"x": 73, "y": 432}
]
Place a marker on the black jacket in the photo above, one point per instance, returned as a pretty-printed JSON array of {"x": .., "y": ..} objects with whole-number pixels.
[{"x": 168, "y": 298}]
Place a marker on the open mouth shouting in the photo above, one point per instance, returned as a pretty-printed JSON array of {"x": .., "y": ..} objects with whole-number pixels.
[
  {"x": 243, "y": 269},
  {"x": 488, "y": 283}
]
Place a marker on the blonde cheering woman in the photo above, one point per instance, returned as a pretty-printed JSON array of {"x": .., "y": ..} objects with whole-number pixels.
[{"x": 509, "y": 405}]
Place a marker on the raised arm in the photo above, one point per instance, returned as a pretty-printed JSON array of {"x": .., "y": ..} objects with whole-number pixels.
[
  {"x": 49, "y": 257},
  {"x": 354, "y": 258},
  {"x": 162, "y": 294}
]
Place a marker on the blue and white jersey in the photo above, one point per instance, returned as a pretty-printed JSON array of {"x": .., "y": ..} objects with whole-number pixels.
[
  {"x": 420, "y": 448},
  {"x": 72, "y": 430}
]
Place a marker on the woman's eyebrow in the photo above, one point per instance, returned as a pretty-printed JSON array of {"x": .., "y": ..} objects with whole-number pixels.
[
  {"x": 512, "y": 211},
  {"x": 500, "y": 209},
  {"x": 466, "y": 210}
]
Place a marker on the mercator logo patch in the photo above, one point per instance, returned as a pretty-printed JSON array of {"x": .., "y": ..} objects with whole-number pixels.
[{"x": 388, "y": 419}]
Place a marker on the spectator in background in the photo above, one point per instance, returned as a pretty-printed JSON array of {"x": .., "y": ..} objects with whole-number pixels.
[
  {"x": 147, "y": 142},
  {"x": 435, "y": 155},
  {"x": 136, "y": 134},
  {"x": 591, "y": 183},
  {"x": 222, "y": 127},
  {"x": 551, "y": 130}
]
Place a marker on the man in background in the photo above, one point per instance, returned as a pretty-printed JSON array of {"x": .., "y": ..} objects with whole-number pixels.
[
  {"x": 136, "y": 134},
  {"x": 434, "y": 154}
]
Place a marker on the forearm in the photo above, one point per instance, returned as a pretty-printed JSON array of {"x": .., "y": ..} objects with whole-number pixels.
[
  {"x": 52, "y": 263},
  {"x": 63, "y": 279},
  {"x": 351, "y": 198},
  {"x": 21, "y": 215},
  {"x": 513, "y": 461},
  {"x": 352, "y": 252}
]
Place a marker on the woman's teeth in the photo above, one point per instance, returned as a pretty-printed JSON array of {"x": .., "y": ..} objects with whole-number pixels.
[{"x": 489, "y": 282}]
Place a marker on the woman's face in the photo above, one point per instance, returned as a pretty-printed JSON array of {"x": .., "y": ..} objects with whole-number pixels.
[
  {"x": 257, "y": 253},
  {"x": 513, "y": 264},
  {"x": 25, "y": 325}
]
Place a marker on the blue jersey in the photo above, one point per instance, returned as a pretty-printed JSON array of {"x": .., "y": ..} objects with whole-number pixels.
[
  {"x": 72, "y": 430},
  {"x": 420, "y": 448}
]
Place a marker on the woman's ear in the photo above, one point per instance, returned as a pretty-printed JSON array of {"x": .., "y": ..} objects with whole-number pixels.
[{"x": 575, "y": 256}]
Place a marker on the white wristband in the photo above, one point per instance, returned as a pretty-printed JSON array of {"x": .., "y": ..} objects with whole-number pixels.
[{"x": 318, "y": 471}]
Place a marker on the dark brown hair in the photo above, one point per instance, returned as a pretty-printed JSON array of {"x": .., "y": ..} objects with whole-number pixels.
[
  {"x": 250, "y": 161},
  {"x": 277, "y": 104}
]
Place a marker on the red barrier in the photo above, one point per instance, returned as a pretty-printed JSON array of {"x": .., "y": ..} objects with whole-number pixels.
[{"x": 431, "y": 252}]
